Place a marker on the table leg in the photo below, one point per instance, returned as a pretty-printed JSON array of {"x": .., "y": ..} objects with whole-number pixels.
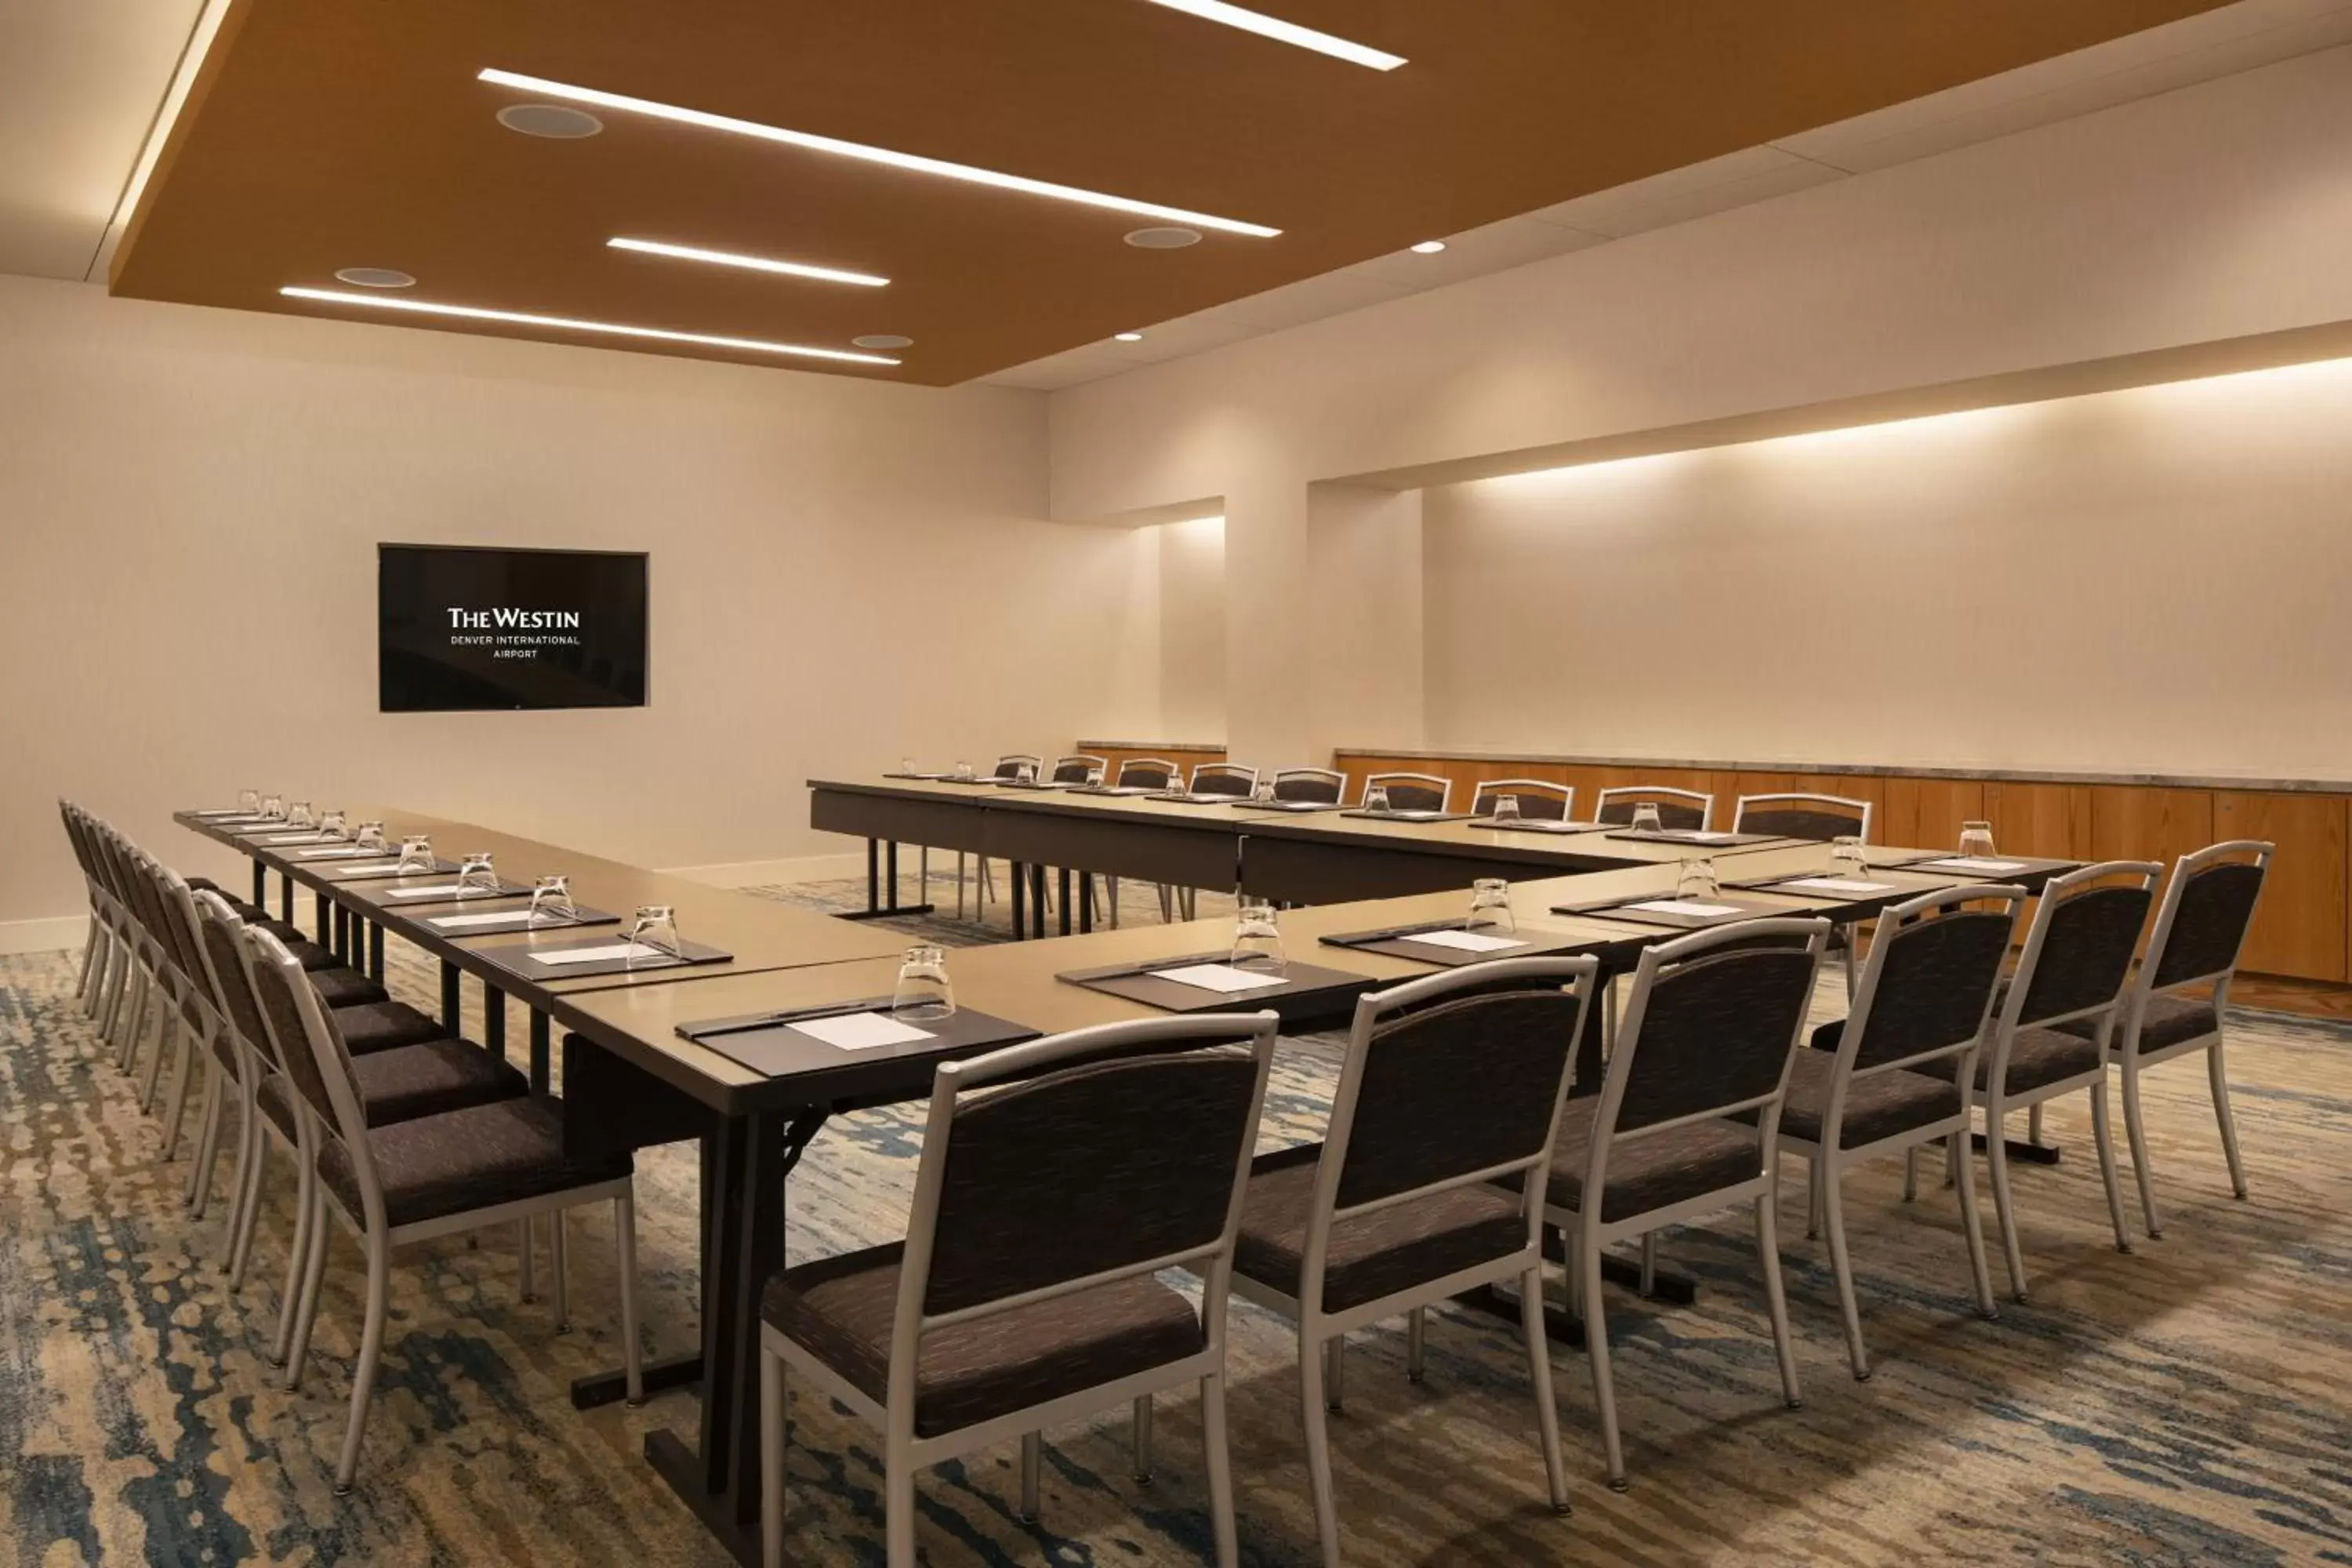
[
  {"x": 343, "y": 948},
  {"x": 1066, "y": 901},
  {"x": 375, "y": 949},
  {"x": 494, "y": 1020},
  {"x": 286, "y": 897},
  {"x": 890, "y": 851},
  {"x": 1037, "y": 900},
  {"x": 874, "y": 874},
  {"x": 261, "y": 885},
  {"x": 1086, "y": 901},
  {"x": 449, "y": 1008},
  {"x": 541, "y": 1071},
  {"x": 1020, "y": 899},
  {"x": 320, "y": 909}
]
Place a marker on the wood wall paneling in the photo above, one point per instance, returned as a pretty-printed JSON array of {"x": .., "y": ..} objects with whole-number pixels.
[
  {"x": 1928, "y": 812},
  {"x": 2135, "y": 823},
  {"x": 2040, "y": 819},
  {"x": 2300, "y": 928},
  {"x": 1846, "y": 787}
]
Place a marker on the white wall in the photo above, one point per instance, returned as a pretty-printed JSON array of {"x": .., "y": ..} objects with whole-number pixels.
[
  {"x": 1192, "y": 622},
  {"x": 2152, "y": 579},
  {"x": 190, "y": 499}
]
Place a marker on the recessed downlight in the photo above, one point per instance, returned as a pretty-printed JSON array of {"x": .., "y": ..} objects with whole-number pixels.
[
  {"x": 568, "y": 324},
  {"x": 1429, "y": 247},
  {"x": 751, "y": 263},
  {"x": 1127, "y": 337},
  {"x": 1165, "y": 237},
  {"x": 914, "y": 163},
  {"x": 376, "y": 278},
  {"x": 552, "y": 120},
  {"x": 882, "y": 340}
]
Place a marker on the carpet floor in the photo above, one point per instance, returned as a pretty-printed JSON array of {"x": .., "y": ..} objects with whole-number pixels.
[{"x": 2187, "y": 1404}]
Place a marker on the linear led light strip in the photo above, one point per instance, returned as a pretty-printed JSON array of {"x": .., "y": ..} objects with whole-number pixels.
[
  {"x": 565, "y": 323},
  {"x": 1285, "y": 32},
  {"x": 756, "y": 263},
  {"x": 906, "y": 161}
]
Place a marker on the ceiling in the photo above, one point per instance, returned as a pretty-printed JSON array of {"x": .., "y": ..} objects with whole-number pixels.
[{"x": 322, "y": 137}]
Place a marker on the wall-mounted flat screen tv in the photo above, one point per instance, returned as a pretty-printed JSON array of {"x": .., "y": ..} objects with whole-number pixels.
[{"x": 462, "y": 629}]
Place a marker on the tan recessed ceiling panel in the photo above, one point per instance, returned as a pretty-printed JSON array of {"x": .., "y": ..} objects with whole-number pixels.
[{"x": 327, "y": 135}]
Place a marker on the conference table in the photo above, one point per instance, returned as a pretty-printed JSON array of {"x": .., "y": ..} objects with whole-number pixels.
[{"x": 632, "y": 1080}]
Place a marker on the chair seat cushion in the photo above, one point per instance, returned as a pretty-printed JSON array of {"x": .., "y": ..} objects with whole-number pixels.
[
  {"x": 372, "y": 1027},
  {"x": 307, "y": 953},
  {"x": 1878, "y": 1105},
  {"x": 840, "y": 1309},
  {"x": 1655, "y": 1170},
  {"x": 409, "y": 1081},
  {"x": 340, "y": 988},
  {"x": 2037, "y": 1058},
  {"x": 2168, "y": 1021},
  {"x": 471, "y": 1159},
  {"x": 1372, "y": 1255}
]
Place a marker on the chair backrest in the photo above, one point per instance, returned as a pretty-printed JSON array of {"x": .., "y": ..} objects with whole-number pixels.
[
  {"x": 1224, "y": 778},
  {"x": 2077, "y": 956},
  {"x": 227, "y": 965},
  {"x": 1100, "y": 1154},
  {"x": 1321, "y": 786},
  {"x": 1538, "y": 797},
  {"x": 2208, "y": 906},
  {"x": 1411, "y": 791},
  {"x": 1684, "y": 809},
  {"x": 1079, "y": 767},
  {"x": 1148, "y": 772},
  {"x": 78, "y": 838},
  {"x": 1009, "y": 766},
  {"x": 1927, "y": 987},
  {"x": 1708, "y": 1028},
  {"x": 309, "y": 1051},
  {"x": 1802, "y": 815}
]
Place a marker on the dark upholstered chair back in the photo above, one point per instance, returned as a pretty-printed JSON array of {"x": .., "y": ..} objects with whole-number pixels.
[
  {"x": 1928, "y": 983},
  {"x": 1822, "y": 816},
  {"x": 285, "y": 998},
  {"x": 1711, "y": 1020},
  {"x": 1538, "y": 798},
  {"x": 1224, "y": 778},
  {"x": 1077, "y": 769},
  {"x": 2206, "y": 911},
  {"x": 2079, "y": 953},
  {"x": 1683, "y": 809},
  {"x": 232, "y": 988},
  {"x": 1322, "y": 786},
  {"x": 1462, "y": 1084},
  {"x": 1102, "y": 1167},
  {"x": 1411, "y": 792},
  {"x": 1146, "y": 773},
  {"x": 1008, "y": 766},
  {"x": 78, "y": 837}
]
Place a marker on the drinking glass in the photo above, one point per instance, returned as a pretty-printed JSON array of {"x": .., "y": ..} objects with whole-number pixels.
[
  {"x": 371, "y": 836},
  {"x": 415, "y": 855},
  {"x": 248, "y": 800},
  {"x": 1490, "y": 907},
  {"x": 655, "y": 927},
  {"x": 334, "y": 825},
  {"x": 476, "y": 875},
  {"x": 1022, "y": 773},
  {"x": 963, "y": 773},
  {"x": 1264, "y": 793},
  {"x": 1376, "y": 797},
  {"x": 550, "y": 900},
  {"x": 273, "y": 808},
  {"x": 1645, "y": 818},
  {"x": 1975, "y": 838},
  {"x": 1258, "y": 938},
  {"x": 1697, "y": 878},
  {"x": 1094, "y": 778},
  {"x": 907, "y": 766},
  {"x": 1848, "y": 859},
  {"x": 1506, "y": 808},
  {"x": 298, "y": 815},
  {"x": 924, "y": 993}
]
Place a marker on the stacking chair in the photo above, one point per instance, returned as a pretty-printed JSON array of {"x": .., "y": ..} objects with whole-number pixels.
[
  {"x": 1324, "y": 786},
  {"x": 1057, "y": 1178},
  {"x": 1684, "y": 809},
  {"x": 1538, "y": 798},
  {"x": 1710, "y": 1027},
  {"x": 1224, "y": 778},
  {"x": 2073, "y": 969},
  {"x": 1411, "y": 791},
  {"x": 436, "y": 1175},
  {"x": 1862, "y": 1093},
  {"x": 1078, "y": 768},
  {"x": 1008, "y": 766},
  {"x": 1450, "y": 1084},
  {"x": 1802, "y": 815},
  {"x": 2200, "y": 926},
  {"x": 97, "y": 954},
  {"x": 1143, "y": 772}
]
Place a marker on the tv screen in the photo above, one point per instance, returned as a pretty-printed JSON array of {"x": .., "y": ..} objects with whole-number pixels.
[{"x": 462, "y": 629}]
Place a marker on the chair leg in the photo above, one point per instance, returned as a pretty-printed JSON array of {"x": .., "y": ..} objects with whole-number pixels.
[
  {"x": 1531, "y": 1320},
  {"x": 771, "y": 1457},
  {"x": 298, "y": 1259},
  {"x": 2217, "y": 1070},
  {"x": 1911, "y": 1174},
  {"x": 194, "y": 1046},
  {"x": 247, "y": 1214},
  {"x": 1596, "y": 1347},
  {"x": 1814, "y": 1204},
  {"x": 559, "y": 1264},
  {"x": 527, "y": 1230},
  {"x": 314, "y": 1273},
  {"x": 208, "y": 1121},
  {"x": 1111, "y": 886},
  {"x": 959, "y": 884},
  {"x": 168, "y": 1034},
  {"x": 624, "y": 1240},
  {"x": 1143, "y": 1438},
  {"x": 1033, "y": 1467},
  {"x": 1841, "y": 1267},
  {"x": 2136, "y": 1131},
  {"x": 2104, "y": 1136},
  {"x": 898, "y": 1511},
  {"x": 1313, "y": 1360},
  {"x": 1416, "y": 1345},
  {"x": 1335, "y": 1375},
  {"x": 1220, "y": 1461},
  {"x": 1982, "y": 1275},
  {"x": 2003, "y": 1208},
  {"x": 1776, "y": 1298},
  {"x": 379, "y": 1286}
]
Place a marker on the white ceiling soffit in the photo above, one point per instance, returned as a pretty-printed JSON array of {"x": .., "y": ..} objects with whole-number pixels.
[
  {"x": 82, "y": 83},
  {"x": 2199, "y": 48}
]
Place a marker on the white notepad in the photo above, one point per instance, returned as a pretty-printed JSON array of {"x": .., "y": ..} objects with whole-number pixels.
[
  {"x": 1833, "y": 885},
  {"x": 599, "y": 954},
  {"x": 390, "y": 869},
  {"x": 443, "y": 891},
  {"x": 1978, "y": 863},
  {"x": 467, "y": 922},
  {"x": 1219, "y": 977},
  {"x": 342, "y": 854},
  {"x": 1686, "y": 907},
  {"x": 1414, "y": 815},
  {"x": 1467, "y": 941},
  {"x": 1694, "y": 837},
  {"x": 295, "y": 838},
  {"x": 860, "y": 1031}
]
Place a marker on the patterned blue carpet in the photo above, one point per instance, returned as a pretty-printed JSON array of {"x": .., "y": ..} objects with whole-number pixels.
[{"x": 2187, "y": 1405}]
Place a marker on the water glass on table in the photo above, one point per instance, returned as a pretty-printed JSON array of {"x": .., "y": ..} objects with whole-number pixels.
[
  {"x": 477, "y": 876},
  {"x": 1848, "y": 858},
  {"x": 1976, "y": 840},
  {"x": 298, "y": 815},
  {"x": 1376, "y": 799},
  {"x": 371, "y": 836},
  {"x": 550, "y": 901},
  {"x": 273, "y": 808},
  {"x": 1646, "y": 818},
  {"x": 1258, "y": 938},
  {"x": 334, "y": 824},
  {"x": 1696, "y": 878},
  {"x": 924, "y": 993},
  {"x": 963, "y": 773},
  {"x": 1505, "y": 808},
  {"x": 654, "y": 929},
  {"x": 248, "y": 800},
  {"x": 415, "y": 855},
  {"x": 1490, "y": 907}
]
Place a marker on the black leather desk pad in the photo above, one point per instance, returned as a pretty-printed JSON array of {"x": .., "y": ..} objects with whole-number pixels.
[
  {"x": 1293, "y": 807},
  {"x": 349, "y": 874},
  {"x": 513, "y": 921},
  {"x": 1400, "y": 815},
  {"x": 506, "y": 890},
  {"x": 1301, "y": 983},
  {"x": 1941, "y": 866},
  {"x": 1392, "y": 943},
  {"x": 1539, "y": 825},
  {"x": 1712, "y": 841},
  {"x": 1621, "y": 909},
  {"x": 769, "y": 1044},
  {"x": 1189, "y": 798},
  {"x": 516, "y": 960}
]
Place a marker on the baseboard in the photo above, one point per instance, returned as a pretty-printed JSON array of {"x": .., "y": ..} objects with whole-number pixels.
[
  {"x": 43, "y": 936},
  {"x": 763, "y": 873}
]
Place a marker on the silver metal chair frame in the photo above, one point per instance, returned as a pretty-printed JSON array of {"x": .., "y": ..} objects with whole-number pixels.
[
  {"x": 1489, "y": 788},
  {"x": 1858, "y": 809},
  {"x": 1322, "y": 1336},
  {"x": 1444, "y": 786},
  {"x": 904, "y": 1452},
  {"x": 1662, "y": 794}
]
